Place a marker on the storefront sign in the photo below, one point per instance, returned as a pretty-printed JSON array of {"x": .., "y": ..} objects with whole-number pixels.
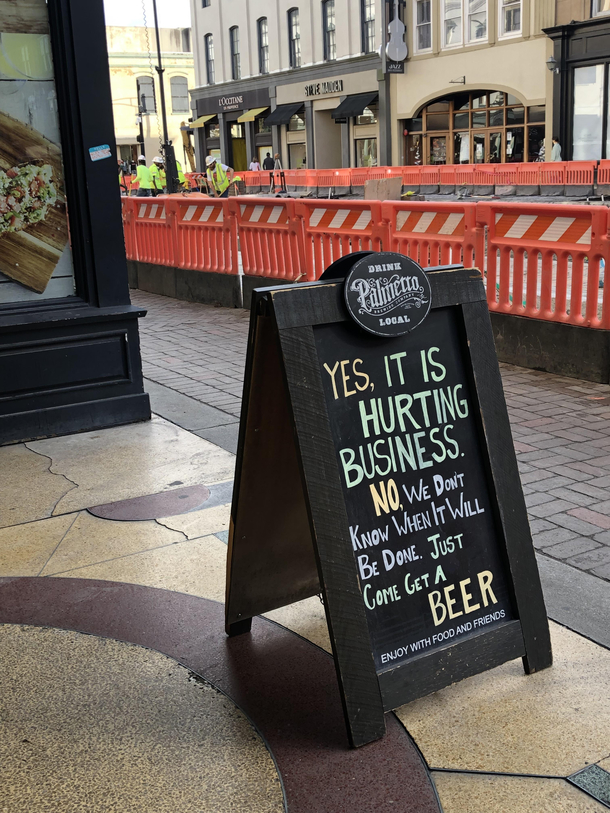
[
  {"x": 394, "y": 67},
  {"x": 229, "y": 102},
  {"x": 322, "y": 88},
  {"x": 381, "y": 473}
]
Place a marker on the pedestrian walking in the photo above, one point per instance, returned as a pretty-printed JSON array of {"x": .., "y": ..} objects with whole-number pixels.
[
  {"x": 268, "y": 162},
  {"x": 144, "y": 179},
  {"x": 219, "y": 177},
  {"x": 254, "y": 165},
  {"x": 556, "y": 150}
]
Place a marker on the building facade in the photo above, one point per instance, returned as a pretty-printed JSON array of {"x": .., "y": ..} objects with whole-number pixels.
[
  {"x": 135, "y": 88},
  {"x": 484, "y": 81},
  {"x": 272, "y": 79}
]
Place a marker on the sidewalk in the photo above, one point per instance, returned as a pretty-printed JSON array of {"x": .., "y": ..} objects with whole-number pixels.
[{"x": 120, "y": 691}]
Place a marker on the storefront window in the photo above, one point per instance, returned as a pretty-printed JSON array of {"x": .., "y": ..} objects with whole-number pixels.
[
  {"x": 414, "y": 150},
  {"x": 297, "y": 154},
  {"x": 35, "y": 257},
  {"x": 297, "y": 122},
  {"x": 588, "y": 111},
  {"x": 369, "y": 115},
  {"x": 366, "y": 152},
  {"x": 212, "y": 130},
  {"x": 481, "y": 127},
  {"x": 260, "y": 127},
  {"x": 237, "y": 131}
]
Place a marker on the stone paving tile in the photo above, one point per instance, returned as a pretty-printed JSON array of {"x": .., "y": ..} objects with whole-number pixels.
[{"x": 561, "y": 426}]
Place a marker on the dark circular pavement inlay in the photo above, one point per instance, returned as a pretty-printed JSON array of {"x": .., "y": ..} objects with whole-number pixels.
[
  {"x": 153, "y": 506},
  {"x": 286, "y": 685}
]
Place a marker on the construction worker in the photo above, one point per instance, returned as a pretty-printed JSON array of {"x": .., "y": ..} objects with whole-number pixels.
[
  {"x": 183, "y": 182},
  {"x": 219, "y": 177},
  {"x": 144, "y": 179},
  {"x": 157, "y": 172}
]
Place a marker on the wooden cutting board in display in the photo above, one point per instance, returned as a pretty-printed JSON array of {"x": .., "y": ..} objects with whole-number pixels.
[{"x": 30, "y": 256}]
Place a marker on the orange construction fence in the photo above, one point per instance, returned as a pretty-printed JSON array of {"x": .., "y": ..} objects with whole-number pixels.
[{"x": 538, "y": 260}]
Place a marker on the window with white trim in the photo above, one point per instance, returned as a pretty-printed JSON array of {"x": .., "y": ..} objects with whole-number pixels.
[
  {"x": 209, "y": 58},
  {"x": 600, "y": 7},
  {"x": 423, "y": 25},
  {"x": 180, "y": 94},
  {"x": 510, "y": 18},
  {"x": 464, "y": 22},
  {"x": 452, "y": 23}
]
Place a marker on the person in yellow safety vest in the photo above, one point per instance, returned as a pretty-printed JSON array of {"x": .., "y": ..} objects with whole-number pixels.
[
  {"x": 219, "y": 177},
  {"x": 181, "y": 178},
  {"x": 144, "y": 179},
  {"x": 157, "y": 172}
]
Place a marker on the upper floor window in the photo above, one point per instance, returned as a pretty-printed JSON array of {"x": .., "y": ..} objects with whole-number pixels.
[
  {"x": 465, "y": 21},
  {"x": 263, "y": 45},
  {"x": 209, "y": 58},
  {"x": 146, "y": 94},
  {"x": 294, "y": 38},
  {"x": 205, "y": 3},
  {"x": 186, "y": 40},
  {"x": 180, "y": 94},
  {"x": 600, "y": 7},
  {"x": 235, "y": 58},
  {"x": 510, "y": 17},
  {"x": 368, "y": 26},
  {"x": 328, "y": 29},
  {"x": 423, "y": 25}
]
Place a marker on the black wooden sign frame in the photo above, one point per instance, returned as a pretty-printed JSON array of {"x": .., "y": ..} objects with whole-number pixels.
[{"x": 289, "y": 536}]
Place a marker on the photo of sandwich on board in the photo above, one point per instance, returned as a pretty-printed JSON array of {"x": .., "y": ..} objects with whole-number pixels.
[{"x": 33, "y": 223}]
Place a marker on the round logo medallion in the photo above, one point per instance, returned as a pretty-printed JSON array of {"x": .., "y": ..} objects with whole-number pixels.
[{"x": 387, "y": 294}]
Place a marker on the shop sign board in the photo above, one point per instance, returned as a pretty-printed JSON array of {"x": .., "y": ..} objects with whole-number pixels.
[
  {"x": 231, "y": 101},
  {"x": 376, "y": 467}
]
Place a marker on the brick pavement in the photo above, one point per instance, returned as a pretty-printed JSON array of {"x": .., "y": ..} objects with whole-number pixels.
[{"x": 561, "y": 426}]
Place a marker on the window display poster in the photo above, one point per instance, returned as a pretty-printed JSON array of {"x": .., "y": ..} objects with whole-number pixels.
[{"x": 35, "y": 257}]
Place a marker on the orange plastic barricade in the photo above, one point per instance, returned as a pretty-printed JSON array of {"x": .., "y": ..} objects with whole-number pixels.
[
  {"x": 291, "y": 179},
  {"x": 129, "y": 216},
  {"x": 311, "y": 182},
  {"x": 411, "y": 178},
  {"x": 359, "y": 176},
  {"x": 333, "y": 228},
  {"x": 580, "y": 177},
  {"x": 447, "y": 176},
  {"x": 300, "y": 180},
  {"x": 270, "y": 237},
  {"x": 432, "y": 233},
  {"x": 484, "y": 176},
  {"x": 528, "y": 175},
  {"x": 378, "y": 173},
  {"x": 552, "y": 173},
  {"x": 252, "y": 180},
  {"x": 206, "y": 235},
  {"x": 464, "y": 175},
  {"x": 430, "y": 177},
  {"x": 338, "y": 181},
  {"x": 543, "y": 261},
  {"x": 603, "y": 173},
  {"x": 154, "y": 235},
  {"x": 506, "y": 174}
]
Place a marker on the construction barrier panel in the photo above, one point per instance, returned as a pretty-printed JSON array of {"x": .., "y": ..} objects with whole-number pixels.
[
  {"x": 484, "y": 179},
  {"x": 332, "y": 229},
  {"x": 429, "y": 179},
  {"x": 410, "y": 179},
  {"x": 447, "y": 179},
  {"x": 580, "y": 177},
  {"x": 206, "y": 234},
  {"x": 543, "y": 261},
  {"x": 129, "y": 232},
  {"x": 432, "y": 233},
  {"x": 552, "y": 177},
  {"x": 155, "y": 237},
  {"x": 270, "y": 237},
  {"x": 464, "y": 177}
]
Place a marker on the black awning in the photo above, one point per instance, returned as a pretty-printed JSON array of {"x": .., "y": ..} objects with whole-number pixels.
[
  {"x": 354, "y": 105},
  {"x": 283, "y": 113}
]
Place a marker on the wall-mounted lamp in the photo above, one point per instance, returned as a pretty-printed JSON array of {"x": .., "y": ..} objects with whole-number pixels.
[{"x": 552, "y": 64}]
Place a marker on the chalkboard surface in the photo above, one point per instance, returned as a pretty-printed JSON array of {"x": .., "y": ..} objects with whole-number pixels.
[{"x": 421, "y": 522}]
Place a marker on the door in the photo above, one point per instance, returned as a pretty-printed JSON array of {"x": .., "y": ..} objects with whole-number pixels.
[{"x": 487, "y": 147}]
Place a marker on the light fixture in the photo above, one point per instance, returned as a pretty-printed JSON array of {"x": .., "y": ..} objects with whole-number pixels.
[{"x": 552, "y": 64}]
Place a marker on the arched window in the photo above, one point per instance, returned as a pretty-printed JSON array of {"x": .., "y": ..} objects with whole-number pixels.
[
  {"x": 263, "y": 45},
  {"x": 146, "y": 94},
  {"x": 209, "y": 58},
  {"x": 294, "y": 38},
  {"x": 235, "y": 57},
  {"x": 180, "y": 94}
]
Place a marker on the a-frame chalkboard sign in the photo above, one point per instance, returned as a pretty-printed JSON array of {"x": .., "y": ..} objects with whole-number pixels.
[{"x": 380, "y": 472}]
